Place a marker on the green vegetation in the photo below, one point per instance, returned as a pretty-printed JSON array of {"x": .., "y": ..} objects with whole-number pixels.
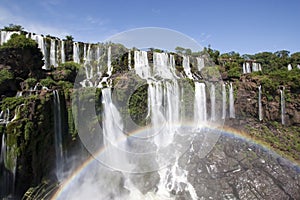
[
  {"x": 19, "y": 41},
  {"x": 285, "y": 140},
  {"x": 5, "y": 75},
  {"x": 13, "y": 27}
]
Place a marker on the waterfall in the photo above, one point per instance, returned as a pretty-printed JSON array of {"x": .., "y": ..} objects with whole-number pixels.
[
  {"x": 289, "y": 67},
  {"x": 76, "y": 52},
  {"x": 254, "y": 67},
  {"x": 141, "y": 65},
  {"x": 248, "y": 69},
  {"x": 62, "y": 52},
  {"x": 163, "y": 65},
  {"x": 53, "y": 53},
  {"x": 244, "y": 68},
  {"x": 59, "y": 161},
  {"x": 231, "y": 102},
  {"x": 4, "y": 116},
  {"x": 41, "y": 45},
  {"x": 200, "y": 63},
  {"x": 173, "y": 106},
  {"x": 224, "y": 101},
  {"x": 213, "y": 102},
  {"x": 282, "y": 105},
  {"x": 109, "y": 67},
  {"x": 260, "y": 117},
  {"x": 3, "y": 150},
  {"x": 114, "y": 139},
  {"x": 186, "y": 67},
  {"x": 259, "y": 67},
  {"x": 129, "y": 60},
  {"x": 200, "y": 114}
]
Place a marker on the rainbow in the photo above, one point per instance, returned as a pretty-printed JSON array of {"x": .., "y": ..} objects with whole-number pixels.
[{"x": 65, "y": 186}]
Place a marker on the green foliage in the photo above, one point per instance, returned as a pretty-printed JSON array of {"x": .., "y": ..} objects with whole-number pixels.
[
  {"x": 30, "y": 82},
  {"x": 69, "y": 38},
  {"x": 11, "y": 102},
  {"x": 19, "y": 41},
  {"x": 28, "y": 130},
  {"x": 71, "y": 66},
  {"x": 234, "y": 70},
  {"x": 138, "y": 108},
  {"x": 13, "y": 27},
  {"x": 5, "y": 75},
  {"x": 181, "y": 50},
  {"x": 214, "y": 54},
  {"x": 48, "y": 82}
]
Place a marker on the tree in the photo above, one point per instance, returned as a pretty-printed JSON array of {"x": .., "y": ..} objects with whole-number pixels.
[
  {"x": 13, "y": 27},
  {"x": 22, "y": 55},
  {"x": 69, "y": 38}
]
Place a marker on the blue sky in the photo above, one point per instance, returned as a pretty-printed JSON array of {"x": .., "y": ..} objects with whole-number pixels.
[{"x": 243, "y": 26}]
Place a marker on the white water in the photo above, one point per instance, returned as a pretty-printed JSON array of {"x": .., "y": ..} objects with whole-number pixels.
[
  {"x": 53, "y": 53},
  {"x": 213, "y": 102},
  {"x": 76, "y": 52},
  {"x": 224, "y": 97},
  {"x": 59, "y": 155},
  {"x": 260, "y": 117},
  {"x": 231, "y": 102},
  {"x": 186, "y": 67},
  {"x": 3, "y": 150},
  {"x": 129, "y": 60},
  {"x": 282, "y": 105},
  {"x": 141, "y": 65},
  {"x": 289, "y": 67},
  {"x": 200, "y": 113},
  {"x": 62, "y": 52},
  {"x": 41, "y": 44},
  {"x": 163, "y": 65},
  {"x": 109, "y": 66},
  {"x": 200, "y": 63},
  {"x": 4, "y": 116}
]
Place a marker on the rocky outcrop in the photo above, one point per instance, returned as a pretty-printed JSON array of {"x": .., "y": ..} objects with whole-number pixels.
[{"x": 246, "y": 102}]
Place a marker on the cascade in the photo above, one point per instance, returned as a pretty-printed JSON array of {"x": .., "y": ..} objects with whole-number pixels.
[
  {"x": 200, "y": 63},
  {"x": 62, "y": 52},
  {"x": 6, "y": 35},
  {"x": 254, "y": 67},
  {"x": 259, "y": 67},
  {"x": 186, "y": 66},
  {"x": 282, "y": 105},
  {"x": 59, "y": 155},
  {"x": 141, "y": 65},
  {"x": 53, "y": 53},
  {"x": 4, "y": 116},
  {"x": 163, "y": 65},
  {"x": 76, "y": 52},
  {"x": 41, "y": 44},
  {"x": 213, "y": 102},
  {"x": 109, "y": 67},
  {"x": 200, "y": 114},
  {"x": 223, "y": 101},
  {"x": 260, "y": 117},
  {"x": 231, "y": 102},
  {"x": 129, "y": 60},
  {"x": 290, "y": 67},
  {"x": 3, "y": 150},
  {"x": 244, "y": 68},
  {"x": 248, "y": 69}
]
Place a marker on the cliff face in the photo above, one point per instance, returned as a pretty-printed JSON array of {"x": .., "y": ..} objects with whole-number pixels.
[{"x": 246, "y": 102}]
